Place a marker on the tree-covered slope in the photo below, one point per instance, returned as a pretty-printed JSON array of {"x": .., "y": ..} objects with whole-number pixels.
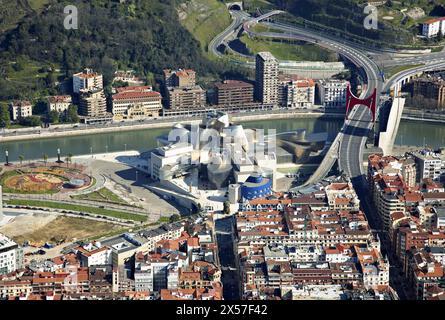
[{"x": 144, "y": 35}]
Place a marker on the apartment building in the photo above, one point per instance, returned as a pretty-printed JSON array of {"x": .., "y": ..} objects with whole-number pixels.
[
  {"x": 154, "y": 271},
  {"x": 267, "y": 78},
  {"x": 129, "y": 77},
  {"x": 374, "y": 266},
  {"x": 234, "y": 93},
  {"x": 92, "y": 103},
  {"x": 185, "y": 97},
  {"x": 139, "y": 102},
  {"x": 390, "y": 165},
  {"x": 342, "y": 196},
  {"x": 286, "y": 244},
  {"x": 11, "y": 255},
  {"x": 20, "y": 109},
  {"x": 87, "y": 80},
  {"x": 429, "y": 164},
  {"x": 94, "y": 254},
  {"x": 388, "y": 196},
  {"x": 182, "y": 78},
  {"x": 296, "y": 93},
  {"x": 423, "y": 271},
  {"x": 433, "y": 27},
  {"x": 332, "y": 93},
  {"x": 430, "y": 88},
  {"x": 59, "y": 103},
  {"x": 409, "y": 172},
  {"x": 214, "y": 293}
]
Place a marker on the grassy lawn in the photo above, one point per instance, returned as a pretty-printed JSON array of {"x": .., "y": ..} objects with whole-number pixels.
[
  {"x": 205, "y": 19},
  {"x": 437, "y": 49},
  {"x": 288, "y": 170},
  {"x": 262, "y": 28},
  {"x": 252, "y": 5},
  {"x": 37, "y": 5},
  {"x": 103, "y": 195},
  {"x": 27, "y": 71},
  {"x": 391, "y": 71},
  {"x": 164, "y": 220},
  {"x": 287, "y": 50},
  {"x": 29, "y": 75},
  {"x": 67, "y": 229},
  {"x": 79, "y": 208}
]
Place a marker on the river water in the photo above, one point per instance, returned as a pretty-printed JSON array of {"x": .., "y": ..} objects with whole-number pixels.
[{"x": 412, "y": 133}]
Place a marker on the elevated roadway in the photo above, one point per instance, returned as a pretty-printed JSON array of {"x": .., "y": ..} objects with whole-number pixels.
[
  {"x": 239, "y": 19},
  {"x": 355, "y": 130},
  {"x": 349, "y": 145}
]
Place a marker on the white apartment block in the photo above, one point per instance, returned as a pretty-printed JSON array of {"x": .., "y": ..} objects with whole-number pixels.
[
  {"x": 297, "y": 93},
  {"x": 156, "y": 274},
  {"x": 342, "y": 196},
  {"x": 429, "y": 164},
  {"x": 267, "y": 78},
  {"x": 374, "y": 266},
  {"x": 11, "y": 255},
  {"x": 94, "y": 254},
  {"x": 59, "y": 103},
  {"x": 333, "y": 93},
  {"x": 87, "y": 80},
  {"x": 20, "y": 109},
  {"x": 433, "y": 27}
]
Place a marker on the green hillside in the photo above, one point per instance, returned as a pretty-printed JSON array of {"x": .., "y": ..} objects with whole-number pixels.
[
  {"x": 144, "y": 35},
  {"x": 205, "y": 19},
  {"x": 346, "y": 17}
]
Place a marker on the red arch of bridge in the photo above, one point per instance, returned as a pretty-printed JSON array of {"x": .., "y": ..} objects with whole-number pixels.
[{"x": 352, "y": 101}]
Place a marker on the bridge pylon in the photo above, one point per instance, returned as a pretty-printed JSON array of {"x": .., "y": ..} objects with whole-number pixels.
[{"x": 370, "y": 102}]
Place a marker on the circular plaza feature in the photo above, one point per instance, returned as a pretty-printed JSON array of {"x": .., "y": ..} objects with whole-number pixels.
[
  {"x": 76, "y": 183},
  {"x": 38, "y": 179}
]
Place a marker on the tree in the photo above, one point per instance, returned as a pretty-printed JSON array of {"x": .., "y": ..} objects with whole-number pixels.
[
  {"x": 70, "y": 115},
  {"x": 21, "y": 158},
  {"x": 40, "y": 107},
  {"x": 50, "y": 79},
  {"x": 226, "y": 209},
  {"x": 174, "y": 218},
  {"x": 32, "y": 121},
  {"x": 152, "y": 47},
  {"x": 45, "y": 158},
  {"x": 53, "y": 116},
  {"x": 5, "y": 121}
]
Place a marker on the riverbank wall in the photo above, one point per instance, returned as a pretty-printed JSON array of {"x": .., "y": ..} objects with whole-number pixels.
[
  {"x": 168, "y": 123},
  {"x": 163, "y": 123}
]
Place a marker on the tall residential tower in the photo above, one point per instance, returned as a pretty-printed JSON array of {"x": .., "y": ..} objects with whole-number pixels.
[{"x": 266, "y": 78}]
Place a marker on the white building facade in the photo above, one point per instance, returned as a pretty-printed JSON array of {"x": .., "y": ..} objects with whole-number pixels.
[
  {"x": 11, "y": 255},
  {"x": 433, "y": 27},
  {"x": 333, "y": 93}
]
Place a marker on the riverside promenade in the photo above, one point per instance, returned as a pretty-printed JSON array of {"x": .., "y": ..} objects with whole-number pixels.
[{"x": 59, "y": 131}]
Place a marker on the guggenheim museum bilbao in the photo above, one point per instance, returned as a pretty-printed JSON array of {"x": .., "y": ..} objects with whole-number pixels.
[{"x": 205, "y": 164}]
